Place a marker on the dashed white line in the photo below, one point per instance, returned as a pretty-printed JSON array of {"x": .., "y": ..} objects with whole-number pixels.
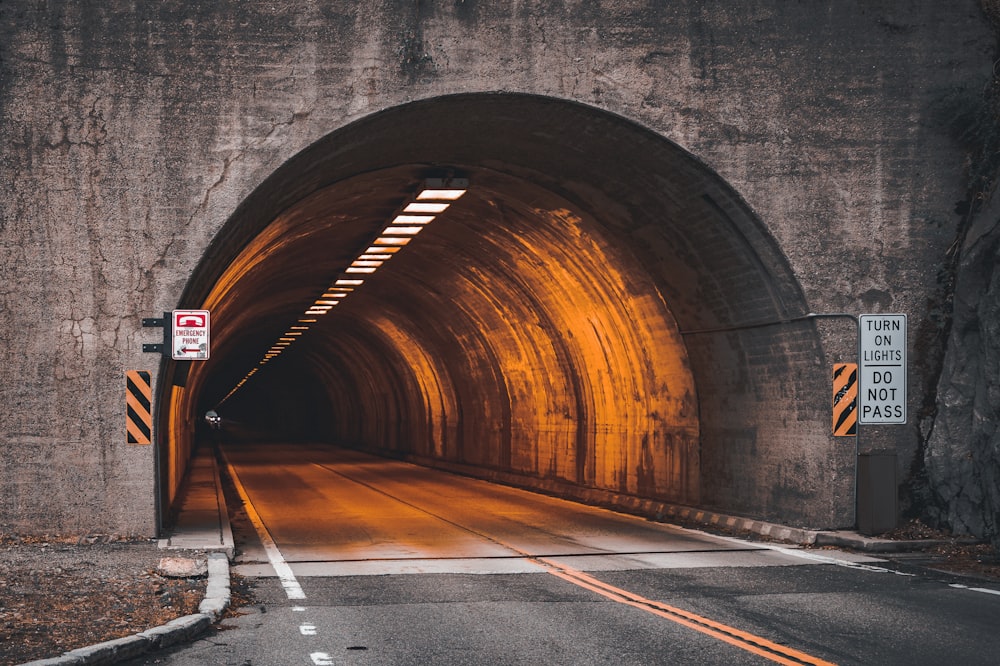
[
  {"x": 321, "y": 659},
  {"x": 307, "y": 629}
]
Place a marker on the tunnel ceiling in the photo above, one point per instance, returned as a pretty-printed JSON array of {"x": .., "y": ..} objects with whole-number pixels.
[{"x": 603, "y": 179}]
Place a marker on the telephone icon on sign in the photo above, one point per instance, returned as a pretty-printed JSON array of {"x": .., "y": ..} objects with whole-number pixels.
[{"x": 191, "y": 321}]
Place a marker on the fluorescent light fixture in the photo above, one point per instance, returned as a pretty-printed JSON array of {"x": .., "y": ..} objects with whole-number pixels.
[
  {"x": 412, "y": 219},
  {"x": 440, "y": 194},
  {"x": 428, "y": 207},
  {"x": 388, "y": 240},
  {"x": 446, "y": 189},
  {"x": 435, "y": 197},
  {"x": 402, "y": 231}
]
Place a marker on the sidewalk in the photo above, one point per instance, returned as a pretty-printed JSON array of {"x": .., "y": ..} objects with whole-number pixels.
[{"x": 202, "y": 519}]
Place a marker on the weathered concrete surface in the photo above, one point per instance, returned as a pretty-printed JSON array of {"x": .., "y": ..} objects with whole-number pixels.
[{"x": 129, "y": 136}]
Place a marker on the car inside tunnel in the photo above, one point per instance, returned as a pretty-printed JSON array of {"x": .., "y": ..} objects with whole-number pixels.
[{"x": 597, "y": 309}]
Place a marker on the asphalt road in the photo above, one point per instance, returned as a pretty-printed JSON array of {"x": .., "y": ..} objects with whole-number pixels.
[{"x": 360, "y": 560}]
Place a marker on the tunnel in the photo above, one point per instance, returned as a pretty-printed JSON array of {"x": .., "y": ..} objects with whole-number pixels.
[{"x": 597, "y": 312}]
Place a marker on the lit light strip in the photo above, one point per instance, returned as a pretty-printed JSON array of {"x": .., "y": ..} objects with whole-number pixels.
[
  {"x": 434, "y": 198},
  {"x": 412, "y": 219},
  {"x": 389, "y": 240},
  {"x": 445, "y": 195},
  {"x": 402, "y": 231},
  {"x": 421, "y": 207}
]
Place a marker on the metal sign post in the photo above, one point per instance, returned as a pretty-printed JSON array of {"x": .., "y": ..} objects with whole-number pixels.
[
  {"x": 186, "y": 335},
  {"x": 190, "y": 335}
]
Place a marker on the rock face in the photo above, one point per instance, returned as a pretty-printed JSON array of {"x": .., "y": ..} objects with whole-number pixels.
[{"x": 963, "y": 451}]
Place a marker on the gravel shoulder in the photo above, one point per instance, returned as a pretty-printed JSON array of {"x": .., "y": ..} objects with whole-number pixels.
[{"x": 59, "y": 594}]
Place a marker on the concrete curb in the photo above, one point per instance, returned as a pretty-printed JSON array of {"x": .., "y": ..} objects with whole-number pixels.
[{"x": 217, "y": 597}]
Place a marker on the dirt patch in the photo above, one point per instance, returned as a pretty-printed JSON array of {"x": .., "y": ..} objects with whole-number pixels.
[
  {"x": 59, "y": 594},
  {"x": 953, "y": 554}
]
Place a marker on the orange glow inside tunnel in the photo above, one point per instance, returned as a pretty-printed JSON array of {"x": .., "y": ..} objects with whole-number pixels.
[
  {"x": 598, "y": 315},
  {"x": 513, "y": 334}
]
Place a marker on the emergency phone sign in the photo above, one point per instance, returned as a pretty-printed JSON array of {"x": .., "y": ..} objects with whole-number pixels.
[
  {"x": 882, "y": 398},
  {"x": 190, "y": 335}
]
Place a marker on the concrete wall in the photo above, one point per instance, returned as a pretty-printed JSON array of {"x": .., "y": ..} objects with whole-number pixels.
[{"x": 129, "y": 135}]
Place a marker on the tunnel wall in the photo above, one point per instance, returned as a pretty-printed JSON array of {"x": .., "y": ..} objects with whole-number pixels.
[
  {"x": 130, "y": 135},
  {"x": 564, "y": 369}
]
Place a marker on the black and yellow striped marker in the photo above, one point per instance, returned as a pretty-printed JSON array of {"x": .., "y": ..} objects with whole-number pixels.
[
  {"x": 138, "y": 400},
  {"x": 845, "y": 399}
]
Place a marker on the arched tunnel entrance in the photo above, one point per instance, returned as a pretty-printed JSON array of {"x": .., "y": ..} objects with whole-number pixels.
[{"x": 585, "y": 314}]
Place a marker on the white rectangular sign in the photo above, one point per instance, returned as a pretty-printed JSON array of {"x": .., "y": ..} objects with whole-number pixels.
[
  {"x": 190, "y": 335},
  {"x": 882, "y": 381}
]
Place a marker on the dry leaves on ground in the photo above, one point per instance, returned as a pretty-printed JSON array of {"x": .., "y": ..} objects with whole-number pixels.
[{"x": 58, "y": 594}]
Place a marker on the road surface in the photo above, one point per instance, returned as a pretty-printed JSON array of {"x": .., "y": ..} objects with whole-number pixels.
[{"x": 362, "y": 560}]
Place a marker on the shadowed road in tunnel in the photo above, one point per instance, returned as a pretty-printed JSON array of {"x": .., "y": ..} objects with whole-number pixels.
[
  {"x": 399, "y": 564},
  {"x": 351, "y": 513}
]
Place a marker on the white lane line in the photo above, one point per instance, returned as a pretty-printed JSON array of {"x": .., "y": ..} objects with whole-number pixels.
[
  {"x": 321, "y": 659},
  {"x": 825, "y": 559},
  {"x": 281, "y": 568},
  {"x": 984, "y": 590},
  {"x": 307, "y": 629}
]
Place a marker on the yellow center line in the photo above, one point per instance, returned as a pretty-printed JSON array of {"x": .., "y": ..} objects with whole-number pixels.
[{"x": 741, "y": 639}]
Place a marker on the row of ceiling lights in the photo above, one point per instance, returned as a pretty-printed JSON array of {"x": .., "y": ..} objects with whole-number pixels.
[{"x": 434, "y": 198}]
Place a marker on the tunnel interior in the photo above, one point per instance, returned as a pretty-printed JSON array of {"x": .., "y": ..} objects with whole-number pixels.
[{"x": 578, "y": 315}]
